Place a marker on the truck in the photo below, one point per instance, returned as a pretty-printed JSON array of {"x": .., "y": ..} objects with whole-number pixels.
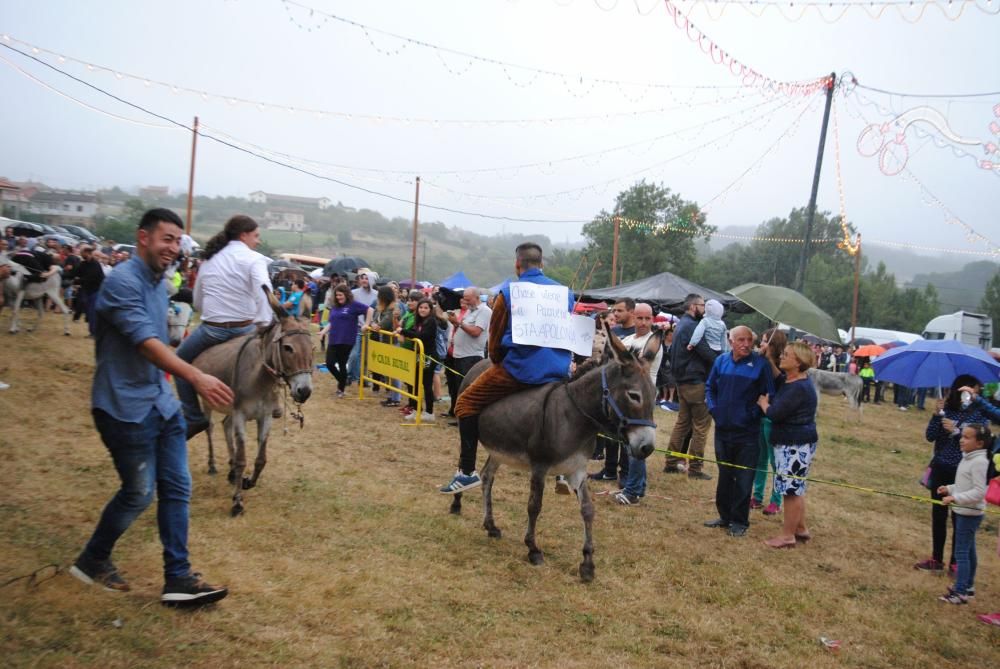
[{"x": 964, "y": 326}]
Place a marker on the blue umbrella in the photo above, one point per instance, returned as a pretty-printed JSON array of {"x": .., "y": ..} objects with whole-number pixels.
[{"x": 934, "y": 364}]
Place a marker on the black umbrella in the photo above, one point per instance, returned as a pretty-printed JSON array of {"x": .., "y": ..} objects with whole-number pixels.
[
  {"x": 343, "y": 265},
  {"x": 279, "y": 265}
]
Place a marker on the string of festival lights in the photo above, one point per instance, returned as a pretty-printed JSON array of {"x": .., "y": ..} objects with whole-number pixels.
[
  {"x": 576, "y": 84},
  {"x": 681, "y": 227},
  {"x": 602, "y": 187},
  {"x": 747, "y": 75},
  {"x": 542, "y": 166},
  {"x": 852, "y": 246},
  {"x": 830, "y": 11},
  {"x": 931, "y": 200},
  {"x": 731, "y": 94},
  {"x": 943, "y": 138}
]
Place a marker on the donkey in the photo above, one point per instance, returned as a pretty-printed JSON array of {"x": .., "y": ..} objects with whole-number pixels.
[
  {"x": 551, "y": 430},
  {"x": 838, "y": 383},
  {"x": 17, "y": 289},
  {"x": 178, "y": 318},
  {"x": 255, "y": 365}
]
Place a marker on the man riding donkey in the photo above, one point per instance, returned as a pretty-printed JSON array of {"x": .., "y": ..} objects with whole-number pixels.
[
  {"x": 228, "y": 295},
  {"x": 515, "y": 367}
]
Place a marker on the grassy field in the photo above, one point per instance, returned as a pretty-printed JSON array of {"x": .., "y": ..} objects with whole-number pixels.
[{"x": 347, "y": 557}]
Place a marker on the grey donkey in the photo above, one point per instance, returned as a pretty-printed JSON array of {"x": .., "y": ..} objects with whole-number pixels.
[
  {"x": 551, "y": 429},
  {"x": 838, "y": 383},
  {"x": 254, "y": 366}
]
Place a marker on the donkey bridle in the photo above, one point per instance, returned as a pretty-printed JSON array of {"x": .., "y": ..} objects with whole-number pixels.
[
  {"x": 277, "y": 371},
  {"x": 612, "y": 413}
]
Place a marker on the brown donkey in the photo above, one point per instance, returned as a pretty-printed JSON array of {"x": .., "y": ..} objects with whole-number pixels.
[{"x": 255, "y": 365}]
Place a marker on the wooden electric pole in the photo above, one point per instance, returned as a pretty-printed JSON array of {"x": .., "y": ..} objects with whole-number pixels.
[
  {"x": 194, "y": 149},
  {"x": 857, "y": 284},
  {"x": 614, "y": 251},
  {"x": 413, "y": 257},
  {"x": 800, "y": 276}
]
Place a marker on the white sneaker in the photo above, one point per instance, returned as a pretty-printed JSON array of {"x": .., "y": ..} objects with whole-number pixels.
[
  {"x": 424, "y": 417},
  {"x": 4, "y": 386}
]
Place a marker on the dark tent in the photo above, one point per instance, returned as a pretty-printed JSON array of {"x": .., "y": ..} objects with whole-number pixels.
[
  {"x": 456, "y": 281},
  {"x": 665, "y": 292}
]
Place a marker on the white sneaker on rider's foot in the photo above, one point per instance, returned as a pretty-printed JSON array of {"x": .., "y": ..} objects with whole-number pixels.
[{"x": 4, "y": 386}]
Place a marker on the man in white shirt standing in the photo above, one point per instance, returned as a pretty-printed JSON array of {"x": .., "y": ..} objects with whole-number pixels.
[
  {"x": 467, "y": 346},
  {"x": 634, "y": 488},
  {"x": 229, "y": 296}
]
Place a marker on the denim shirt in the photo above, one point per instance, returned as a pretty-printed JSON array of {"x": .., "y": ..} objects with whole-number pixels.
[{"x": 131, "y": 308}]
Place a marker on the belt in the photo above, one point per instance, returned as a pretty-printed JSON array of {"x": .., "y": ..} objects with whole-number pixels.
[{"x": 230, "y": 325}]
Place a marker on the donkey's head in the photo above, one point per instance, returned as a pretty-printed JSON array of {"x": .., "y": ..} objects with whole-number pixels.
[
  {"x": 290, "y": 350},
  {"x": 630, "y": 393}
]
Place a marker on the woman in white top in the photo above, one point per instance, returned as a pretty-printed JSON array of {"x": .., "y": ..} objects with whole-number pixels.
[{"x": 230, "y": 295}]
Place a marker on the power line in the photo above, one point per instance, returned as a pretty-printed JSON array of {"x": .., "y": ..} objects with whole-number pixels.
[
  {"x": 281, "y": 163},
  {"x": 985, "y": 94}
]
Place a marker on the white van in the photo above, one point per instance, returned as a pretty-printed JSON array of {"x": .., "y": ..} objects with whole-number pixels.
[
  {"x": 881, "y": 336},
  {"x": 965, "y": 326}
]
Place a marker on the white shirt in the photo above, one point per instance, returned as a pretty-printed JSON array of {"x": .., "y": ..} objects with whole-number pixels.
[
  {"x": 467, "y": 346},
  {"x": 636, "y": 344},
  {"x": 228, "y": 288}
]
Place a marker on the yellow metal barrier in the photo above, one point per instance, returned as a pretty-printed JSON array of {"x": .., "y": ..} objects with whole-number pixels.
[{"x": 395, "y": 362}]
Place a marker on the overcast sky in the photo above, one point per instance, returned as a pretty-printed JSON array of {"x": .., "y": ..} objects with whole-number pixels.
[{"x": 746, "y": 154}]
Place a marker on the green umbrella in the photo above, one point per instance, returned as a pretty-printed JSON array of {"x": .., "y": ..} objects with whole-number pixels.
[{"x": 789, "y": 307}]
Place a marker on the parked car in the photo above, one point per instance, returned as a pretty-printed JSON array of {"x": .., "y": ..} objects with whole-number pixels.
[
  {"x": 128, "y": 248},
  {"x": 80, "y": 232},
  {"x": 63, "y": 239},
  {"x": 24, "y": 228}
]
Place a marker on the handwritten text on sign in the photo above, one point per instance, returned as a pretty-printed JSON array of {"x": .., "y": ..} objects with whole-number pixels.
[{"x": 540, "y": 317}]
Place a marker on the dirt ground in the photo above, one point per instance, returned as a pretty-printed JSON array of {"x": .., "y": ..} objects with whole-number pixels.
[{"x": 347, "y": 557}]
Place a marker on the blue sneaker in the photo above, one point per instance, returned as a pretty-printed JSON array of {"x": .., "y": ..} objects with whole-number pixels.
[{"x": 461, "y": 482}]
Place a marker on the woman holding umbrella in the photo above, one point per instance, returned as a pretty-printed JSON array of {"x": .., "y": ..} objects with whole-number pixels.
[{"x": 961, "y": 406}]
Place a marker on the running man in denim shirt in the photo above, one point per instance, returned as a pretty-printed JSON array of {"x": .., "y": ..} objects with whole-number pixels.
[{"x": 139, "y": 419}]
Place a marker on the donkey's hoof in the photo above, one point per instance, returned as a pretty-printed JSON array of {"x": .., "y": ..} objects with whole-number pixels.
[
  {"x": 212, "y": 470},
  {"x": 456, "y": 507},
  {"x": 66, "y": 333},
  {"x": 493, "y": 532},
  {"x": 536, "y": 558},
  {"x": 586, "y": 572},
  {"x": 237, "y": 510},
  {"x": 248, "y": 483},
  {"x": 231, "y": 477}
]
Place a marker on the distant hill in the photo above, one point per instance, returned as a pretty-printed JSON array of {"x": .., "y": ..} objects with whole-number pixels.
[{"x": 962, "y": 289}]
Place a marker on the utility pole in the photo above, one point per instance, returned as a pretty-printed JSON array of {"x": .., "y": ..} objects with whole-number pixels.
[
  {"x": 614, "y": 251},
  {"x": 413, "y": 257},
  {"x": 194, "y": 149},
  {"x": 423, "y": 258},
  {"x": 800, "y": 276}
]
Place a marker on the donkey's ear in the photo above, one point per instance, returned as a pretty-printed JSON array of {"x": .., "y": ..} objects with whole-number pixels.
[
  {"x": 617, "y": 348},
  {"x": 279, "y": 310},
  {"x": 652, "y": 347}
]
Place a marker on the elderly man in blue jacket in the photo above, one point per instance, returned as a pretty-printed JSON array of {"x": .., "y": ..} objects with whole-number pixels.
[{"x": 737, "y": 379}]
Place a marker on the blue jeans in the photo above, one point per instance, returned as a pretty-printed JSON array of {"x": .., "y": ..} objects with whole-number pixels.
[
  {"x": 151, "y": 459},
  {"x": 354, "y": 362},
  {"x": 202, "y": 339},
  {"x": 965, "y": 551},
  {"x": 635, "y": 481}
]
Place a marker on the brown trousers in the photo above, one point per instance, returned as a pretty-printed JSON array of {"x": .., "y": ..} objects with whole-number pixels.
[
  {"x": 693, "y": 417},
  {"x": 491, "y": 386}
]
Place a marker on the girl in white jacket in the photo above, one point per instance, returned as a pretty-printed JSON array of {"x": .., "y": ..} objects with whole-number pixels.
[{"x": 968, "y": 497}]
